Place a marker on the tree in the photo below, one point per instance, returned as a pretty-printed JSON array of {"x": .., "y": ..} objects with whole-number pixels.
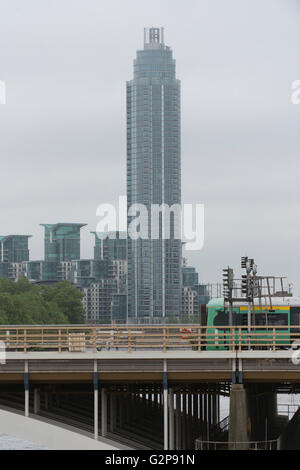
[
  {"x": 68, "y": 298},
  {"x": 22, "y": 303}
]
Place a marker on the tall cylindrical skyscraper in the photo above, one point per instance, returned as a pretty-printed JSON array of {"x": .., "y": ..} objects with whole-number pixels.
[{"x": 154, "y": 178}]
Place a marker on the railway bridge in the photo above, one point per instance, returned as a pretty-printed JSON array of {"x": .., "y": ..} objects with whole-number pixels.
[{"x": 152, "y": 387}]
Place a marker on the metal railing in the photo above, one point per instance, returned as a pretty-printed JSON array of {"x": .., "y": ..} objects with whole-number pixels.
[
  {"x": 161, "y": 337},
  {"x": 225, "y": 445}
]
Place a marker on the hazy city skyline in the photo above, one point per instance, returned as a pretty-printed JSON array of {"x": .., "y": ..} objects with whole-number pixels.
[{"x": 63, "y": 134}]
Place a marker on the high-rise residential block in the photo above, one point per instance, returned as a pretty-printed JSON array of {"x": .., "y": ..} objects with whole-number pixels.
[
  {"x": 62, "y": 241},
  {"x": 111, "y": 245},
  {"x": 154, "y": 177},
  {"x": 14, "y": 248}
]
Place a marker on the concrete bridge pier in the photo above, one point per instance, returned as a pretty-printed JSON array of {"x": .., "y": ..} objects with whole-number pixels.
[
  {"x": 189, "y": 421},
  {"x": 171, "y": 420},
  {"x": 96, "y": 401},
  {"x": 26, "y": 388},
  {"x": 165, "y": 408},
  {"x": 184, "y": 421},
  {"x": 238, "y": 418}
]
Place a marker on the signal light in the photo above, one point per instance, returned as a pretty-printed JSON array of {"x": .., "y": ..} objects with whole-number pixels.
[
  {"x": 245, "y": 285},
  {"x": 227, "y": 282}
]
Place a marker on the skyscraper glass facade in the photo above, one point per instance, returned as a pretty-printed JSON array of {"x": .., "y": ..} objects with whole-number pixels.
[
  {"x": 14, "y": 248},
  {"x": 154, "y": 177},
  {"x": 111, "y": 245},
  {"x": 190, "y": 277},
  {"x": 62, "y": 241},
  {"x": 86, "y": 271}
]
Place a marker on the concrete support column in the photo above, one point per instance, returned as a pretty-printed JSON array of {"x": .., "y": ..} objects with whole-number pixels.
[
  {"x": 96, "y": 400},
  {"x": 37, "y": 401},
  {"x": 26, "y": 388},
  {"x": 165, "y": 405},
  {"x": 103, "y": 412},
  {"x": 171, "y": 419},
  {"x": 238, "y": 418},
  {"x": 183, "y": 422},
  {"x": 178, "y": 421}
]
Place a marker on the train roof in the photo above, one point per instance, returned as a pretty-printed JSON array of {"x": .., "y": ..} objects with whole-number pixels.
[
  {"x": 216, "y": 302},
  {"x": 276, "y": 301}
]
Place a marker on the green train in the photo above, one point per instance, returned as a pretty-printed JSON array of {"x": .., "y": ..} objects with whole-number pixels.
[{"x": 274, "y": 326}]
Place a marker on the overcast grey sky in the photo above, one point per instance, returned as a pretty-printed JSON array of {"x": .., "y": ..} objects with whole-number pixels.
[{"x": 62, "y": 131}]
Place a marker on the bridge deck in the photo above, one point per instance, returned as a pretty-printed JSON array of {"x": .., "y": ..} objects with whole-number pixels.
[
  {"x": 143, "y": 353},
  {"x": 148, "y": 366}
]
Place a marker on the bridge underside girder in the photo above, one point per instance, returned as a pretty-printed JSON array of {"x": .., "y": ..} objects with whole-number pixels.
[{"x": 157, "y": 403}]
